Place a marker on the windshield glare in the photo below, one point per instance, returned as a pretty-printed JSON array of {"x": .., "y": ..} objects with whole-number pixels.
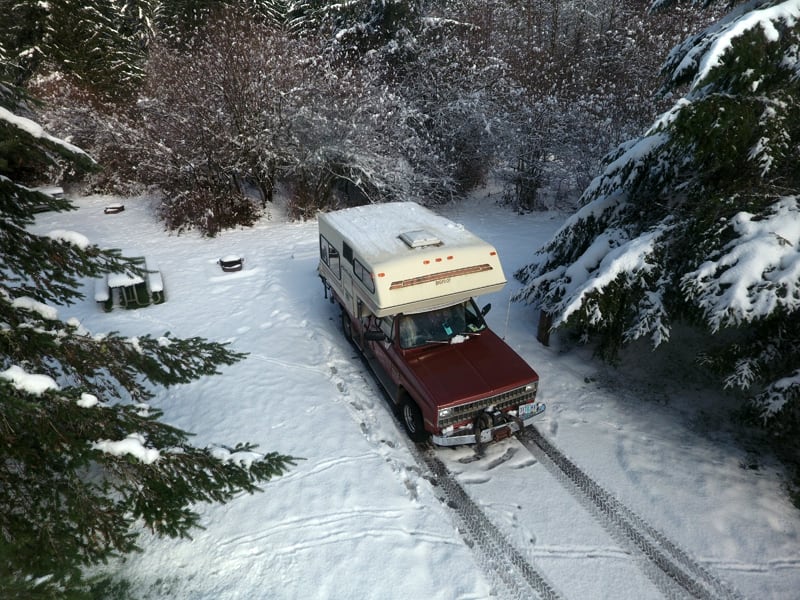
[{"x": 440, "y": 325}]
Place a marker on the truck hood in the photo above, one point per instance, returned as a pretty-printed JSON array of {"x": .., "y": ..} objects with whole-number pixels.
[{"x": 481, "y": 366}]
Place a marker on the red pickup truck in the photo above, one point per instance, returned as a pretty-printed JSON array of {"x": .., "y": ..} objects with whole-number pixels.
[{"x": 405, "y": 280}]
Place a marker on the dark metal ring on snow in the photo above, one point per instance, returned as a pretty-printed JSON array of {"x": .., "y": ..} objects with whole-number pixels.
[{"x": 231, "y": 263}]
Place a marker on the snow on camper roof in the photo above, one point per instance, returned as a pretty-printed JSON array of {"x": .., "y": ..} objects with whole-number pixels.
[
  {"x": 415, "y": 259},
  {"x": 377, "y": 229}
]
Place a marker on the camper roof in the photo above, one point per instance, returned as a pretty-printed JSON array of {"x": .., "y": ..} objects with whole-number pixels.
[
  {"x": 381, "y": 232},
  {"x": 416, "y": 259}
]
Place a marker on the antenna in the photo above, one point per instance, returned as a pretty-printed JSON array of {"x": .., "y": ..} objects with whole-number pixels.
[{"x": 508, "y": 310}]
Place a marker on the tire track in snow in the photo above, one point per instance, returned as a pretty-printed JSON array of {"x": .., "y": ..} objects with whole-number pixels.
[
  {"x": 502, "y": 562},
  {"x": 669, "y": 567}
]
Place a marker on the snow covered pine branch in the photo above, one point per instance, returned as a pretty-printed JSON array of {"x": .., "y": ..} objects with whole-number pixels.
[{"x": 698, "y": 220}]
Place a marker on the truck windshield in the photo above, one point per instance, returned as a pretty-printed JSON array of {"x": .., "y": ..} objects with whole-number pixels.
[{"x": 440, "y": 325}]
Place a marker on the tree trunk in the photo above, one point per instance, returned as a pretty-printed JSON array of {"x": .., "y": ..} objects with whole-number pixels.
[{"x": 545, "y": 324}]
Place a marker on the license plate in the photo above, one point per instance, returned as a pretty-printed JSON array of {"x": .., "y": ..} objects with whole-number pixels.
[{"x": 528, "y": 410}]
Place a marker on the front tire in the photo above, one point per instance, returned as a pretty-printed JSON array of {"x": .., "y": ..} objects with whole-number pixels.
[{"x": 412, "y": 420}]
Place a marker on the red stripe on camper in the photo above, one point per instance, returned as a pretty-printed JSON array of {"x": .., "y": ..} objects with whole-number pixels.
[{"x": 441, "y": 275}]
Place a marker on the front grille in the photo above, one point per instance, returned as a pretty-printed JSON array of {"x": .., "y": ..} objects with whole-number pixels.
[{"x": 467, "y": 412}]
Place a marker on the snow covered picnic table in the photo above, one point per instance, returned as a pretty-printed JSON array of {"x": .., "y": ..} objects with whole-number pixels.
[{"x": 129, "y": 290}]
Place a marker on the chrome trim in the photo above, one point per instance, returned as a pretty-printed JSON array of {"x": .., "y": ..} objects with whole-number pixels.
[{"x": 486, "y": 435}]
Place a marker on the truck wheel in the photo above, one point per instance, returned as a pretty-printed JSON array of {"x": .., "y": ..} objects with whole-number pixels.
[
  {"x": 347, "y": 326},
  {"x": 412, "y": 420}
]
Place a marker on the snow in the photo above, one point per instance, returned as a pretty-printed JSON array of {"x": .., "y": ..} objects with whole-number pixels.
[
  {"x": 71, "y": 237},
  {"x": 757, "y": 272},
  {"x": 88, "y": 400},
  {"x": 788, "y": 12},
  {"x": 379, "y": 229},
  {"x": 357, "y": 518},
  {"x": 35, "y": 130},
  {"x": 706, "y": 51},
  {"x": 29, "y": 304},
  {"x": 154, "y": 281},
  {"x": 630, "y": 257},
  {"x": 31, "y": 383},
  {"x": 123, "y": 279},
  {"x": 133, "y": 444}
]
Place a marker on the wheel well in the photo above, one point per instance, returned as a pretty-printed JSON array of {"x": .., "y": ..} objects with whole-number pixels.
[{"x": 402, "y": 394}]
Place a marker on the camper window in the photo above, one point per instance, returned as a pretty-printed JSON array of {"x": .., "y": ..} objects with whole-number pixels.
[
  {"x": 364, "y": 275},
  {"x": 330, "y": 256}
]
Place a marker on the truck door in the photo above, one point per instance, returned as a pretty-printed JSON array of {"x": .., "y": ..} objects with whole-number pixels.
[{"x": 381, "y": 354}]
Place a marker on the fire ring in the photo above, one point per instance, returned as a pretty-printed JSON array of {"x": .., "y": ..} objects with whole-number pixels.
[{"x": 231, "y": 263}]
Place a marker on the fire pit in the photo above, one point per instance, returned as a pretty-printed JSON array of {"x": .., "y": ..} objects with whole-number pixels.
[{"x": 231, "y": 263}]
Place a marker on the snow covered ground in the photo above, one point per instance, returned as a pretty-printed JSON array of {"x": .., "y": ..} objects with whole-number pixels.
[{"x": 356, "y": 518}]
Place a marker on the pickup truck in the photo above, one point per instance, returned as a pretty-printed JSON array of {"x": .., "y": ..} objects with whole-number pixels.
[{"x": 405, "y": 280}]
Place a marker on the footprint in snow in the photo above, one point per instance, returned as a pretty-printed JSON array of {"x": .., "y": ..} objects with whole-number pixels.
[
  {"x": 476, "y": 479},
  {"x": 525, "y": 463},
  {"x": 510, "y": 452}
]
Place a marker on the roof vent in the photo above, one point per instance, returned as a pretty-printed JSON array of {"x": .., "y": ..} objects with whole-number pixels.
[{"x": 419, "y": 239}]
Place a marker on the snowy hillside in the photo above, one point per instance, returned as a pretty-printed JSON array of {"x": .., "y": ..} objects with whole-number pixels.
[{"x": 359, "y": 516}]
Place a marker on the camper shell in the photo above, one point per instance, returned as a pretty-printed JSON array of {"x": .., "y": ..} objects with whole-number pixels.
[
  {"x": 405, "y": 258},
  {"x": 405, "y": 279}
]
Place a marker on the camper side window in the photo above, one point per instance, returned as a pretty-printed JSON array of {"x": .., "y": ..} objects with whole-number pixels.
[
  {"x": 364, "y": 275},
  {"x": 330, "y": 255}
]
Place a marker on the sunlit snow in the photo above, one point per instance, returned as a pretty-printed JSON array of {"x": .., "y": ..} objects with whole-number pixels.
[{"x": 358, "y": 518}]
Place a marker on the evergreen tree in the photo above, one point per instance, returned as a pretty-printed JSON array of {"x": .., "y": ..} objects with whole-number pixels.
[
  {"x": 101, "y": 43},
  {"x": 699, "y": 219},
  {"x": 97, "y": 43},
  {"x": 84, "y": 461},
  {"x": 285, "y": 14},
  {"x": 21, "y": 32},
  {"x": 355, "y": 28}
]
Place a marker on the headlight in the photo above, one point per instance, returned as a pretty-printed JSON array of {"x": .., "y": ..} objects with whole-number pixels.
[
  {"x": 445, "y": 413},
  {"x": 532, "y": 387}
]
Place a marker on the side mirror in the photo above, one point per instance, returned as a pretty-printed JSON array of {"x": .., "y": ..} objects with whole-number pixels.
[
  {"x": 372, "y": 335},
  {"x": 486, "y": 309}
]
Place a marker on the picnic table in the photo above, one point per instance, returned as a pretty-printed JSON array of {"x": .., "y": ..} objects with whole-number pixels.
[{"x": 129, "y": 290}]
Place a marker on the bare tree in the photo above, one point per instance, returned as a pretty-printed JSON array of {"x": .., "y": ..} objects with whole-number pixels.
[{"x": 218, "y": 117}]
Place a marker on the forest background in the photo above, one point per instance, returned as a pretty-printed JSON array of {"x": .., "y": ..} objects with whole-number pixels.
[{"x": 340, "y": 102}]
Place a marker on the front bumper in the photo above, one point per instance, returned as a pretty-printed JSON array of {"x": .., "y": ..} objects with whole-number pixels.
[{"x": 490, "y": 434}]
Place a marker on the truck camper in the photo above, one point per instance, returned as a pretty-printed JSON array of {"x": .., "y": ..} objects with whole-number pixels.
[{"x": 406, "y": 281}]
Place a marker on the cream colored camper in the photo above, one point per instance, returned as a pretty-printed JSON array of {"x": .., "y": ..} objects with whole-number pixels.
[{"x": 403, "y": 258}]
